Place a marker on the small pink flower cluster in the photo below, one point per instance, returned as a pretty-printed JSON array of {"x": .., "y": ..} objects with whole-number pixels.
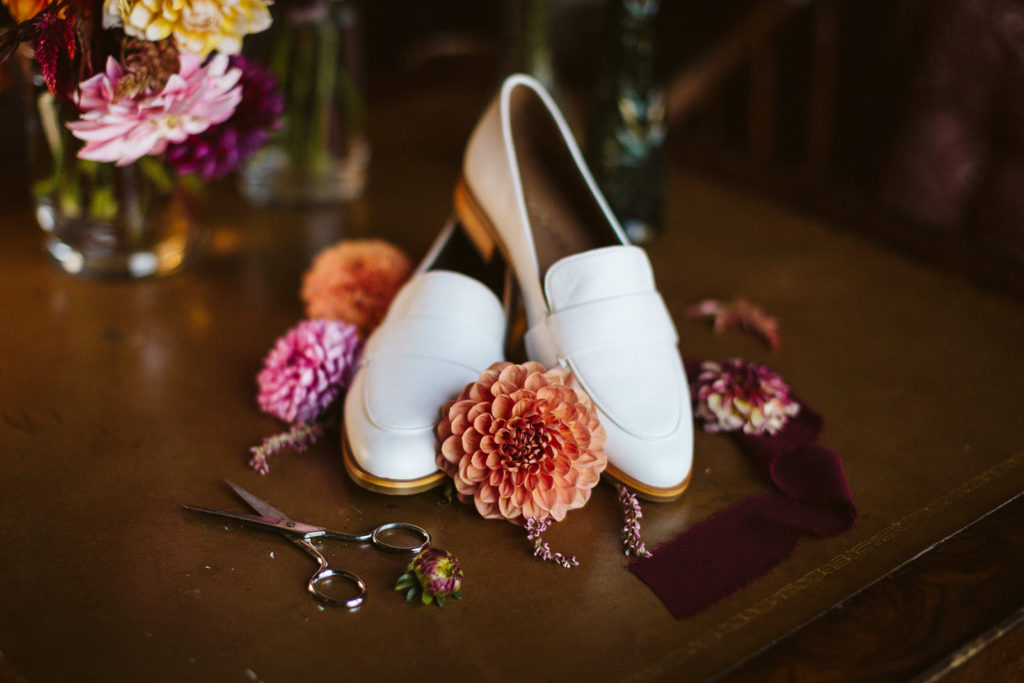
[
  {"x": 631, "y": 541},
  {"x": 738, "y": 395},
  {"x": 535, "y": 529}
]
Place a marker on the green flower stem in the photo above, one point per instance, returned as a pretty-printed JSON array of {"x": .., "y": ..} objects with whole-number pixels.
[
  {"x": 298, "y": 91},
  {"x": 326, "y": 76},
  {"x": 347, "y": 93},
  {"x": 306, "y": 56}
]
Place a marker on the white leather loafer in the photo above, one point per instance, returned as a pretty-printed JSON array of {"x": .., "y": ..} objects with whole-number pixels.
[
  {"x": 590, "y": 297},
  {"x": 442, "y": 330}
]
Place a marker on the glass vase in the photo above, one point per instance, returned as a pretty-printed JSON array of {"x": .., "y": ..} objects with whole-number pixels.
[
  {"x": 321, "y": 152},
  {"x": 102, "y": 220}
]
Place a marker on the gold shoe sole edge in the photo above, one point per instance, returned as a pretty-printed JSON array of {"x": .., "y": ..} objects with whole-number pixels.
[{"x": 393, "y": 487}]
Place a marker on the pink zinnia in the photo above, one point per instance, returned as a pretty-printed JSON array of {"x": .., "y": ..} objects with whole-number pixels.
[
  {"x": 307, "y": 369},
  {"x": 123, "y": 130}
]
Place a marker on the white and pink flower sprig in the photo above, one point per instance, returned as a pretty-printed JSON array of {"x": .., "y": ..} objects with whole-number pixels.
[
  {"x": 737, "y": 395},
  {"x": 124, "y": 129}
]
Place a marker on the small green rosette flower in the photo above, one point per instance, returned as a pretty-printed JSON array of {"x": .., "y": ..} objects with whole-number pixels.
[{"x": 432, "y": 576}]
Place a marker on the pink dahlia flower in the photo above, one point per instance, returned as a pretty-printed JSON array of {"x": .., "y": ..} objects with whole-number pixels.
[
  {"x": 738, "y": 395},
  {"x": 123, "y": 130},
  {"x": 522, "y": 443},
  {"x": 307, "y": 369}
]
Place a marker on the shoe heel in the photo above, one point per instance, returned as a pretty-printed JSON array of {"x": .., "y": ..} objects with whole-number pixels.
[
  {"x": 474, "y": 221},
  {"x": 515, "y": 313}
]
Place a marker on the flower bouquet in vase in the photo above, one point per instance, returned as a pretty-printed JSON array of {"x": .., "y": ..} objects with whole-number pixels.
[{"x": 133, "y": 104}]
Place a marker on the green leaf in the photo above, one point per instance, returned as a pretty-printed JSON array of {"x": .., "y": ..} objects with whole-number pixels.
[
  {"x": 411, "y": 595},
  {"x": 439, "y": 599},
  {"x": 457, "y": 594},
  {"x": 447, "y": 493},
  {"x": 405, "y": 581}
]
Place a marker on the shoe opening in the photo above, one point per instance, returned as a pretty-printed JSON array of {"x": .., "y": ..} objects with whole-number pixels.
[{"x": 564, "y": 215}]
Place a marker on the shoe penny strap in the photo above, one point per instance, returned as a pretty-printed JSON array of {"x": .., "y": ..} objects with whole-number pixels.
[{"x": 622, "y": 321}]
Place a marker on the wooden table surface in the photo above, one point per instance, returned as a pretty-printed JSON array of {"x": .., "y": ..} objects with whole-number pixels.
[{"x": 121, "y": 401}]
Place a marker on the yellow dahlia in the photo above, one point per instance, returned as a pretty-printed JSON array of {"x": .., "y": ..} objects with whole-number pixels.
[{"x": 198, "y": 26}]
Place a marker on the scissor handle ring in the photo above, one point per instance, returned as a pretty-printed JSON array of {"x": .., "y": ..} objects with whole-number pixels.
[
  {"x": 327, "y": 573},
  {"x": 392, "y": 548}
]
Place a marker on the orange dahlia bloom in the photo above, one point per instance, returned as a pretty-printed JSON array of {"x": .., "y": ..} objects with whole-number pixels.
[
  {"x": 23, "y": 10},
  {"x": 355, "y": 281},
  {"x": 522, "y": 443}
]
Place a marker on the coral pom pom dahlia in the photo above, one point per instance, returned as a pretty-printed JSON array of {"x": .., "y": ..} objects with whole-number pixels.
[
  {"x": 355, "y": 281},
  {"x": 522, "y": 443}
]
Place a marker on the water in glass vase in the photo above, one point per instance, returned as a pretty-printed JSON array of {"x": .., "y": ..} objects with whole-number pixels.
[
  {"x": 321, "y": 152},
  {"x": 103, "y": 220}
]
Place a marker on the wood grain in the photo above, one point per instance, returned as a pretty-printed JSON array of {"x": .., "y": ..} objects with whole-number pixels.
[{"x": 910, "y": 623}]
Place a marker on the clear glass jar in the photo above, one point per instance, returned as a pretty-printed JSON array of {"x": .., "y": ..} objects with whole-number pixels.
[
  {"x": 322, "y": 151},
  {"x": 102, "y": 220}
]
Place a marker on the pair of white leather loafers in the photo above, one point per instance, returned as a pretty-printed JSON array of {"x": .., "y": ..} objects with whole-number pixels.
[{"x": 590, "y": 300}]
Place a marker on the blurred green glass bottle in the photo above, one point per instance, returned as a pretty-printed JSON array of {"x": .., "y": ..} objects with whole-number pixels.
[{"x": 626, "y": 133}]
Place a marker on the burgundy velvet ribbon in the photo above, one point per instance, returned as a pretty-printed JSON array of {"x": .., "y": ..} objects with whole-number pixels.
[{"x": 723, "y": 553}]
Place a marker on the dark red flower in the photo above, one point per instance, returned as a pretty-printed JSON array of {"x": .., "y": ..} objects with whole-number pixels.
[{"x": 222, "y": 148}]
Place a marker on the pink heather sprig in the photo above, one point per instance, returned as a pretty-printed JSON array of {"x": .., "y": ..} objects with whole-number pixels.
[
  {"x": 631, "y": 541},
  {"x": 535, "y": 529},
  {"x": 736, "y": 395},
  {"x": 301, "y": 436}
]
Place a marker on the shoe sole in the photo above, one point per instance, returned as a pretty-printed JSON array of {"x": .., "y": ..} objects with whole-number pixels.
[
  {"x": 650, "y": 493},
  {"x": 483, "y": 234},
  {"x": 394, "y": 487}
]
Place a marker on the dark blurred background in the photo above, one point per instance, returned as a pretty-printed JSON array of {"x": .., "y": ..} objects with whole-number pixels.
[{"x": 901, "y": 119}]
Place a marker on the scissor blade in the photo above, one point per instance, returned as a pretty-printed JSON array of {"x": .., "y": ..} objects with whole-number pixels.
[
  {"x": 258, "y": 504},
  {"x": 284, "y": 526},
  {"x": 244, "y": 517}
]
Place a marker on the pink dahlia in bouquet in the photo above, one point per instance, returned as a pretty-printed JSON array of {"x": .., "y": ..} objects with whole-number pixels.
[
  {"x": 122, "y": 129},
  {"x": 222, "y": 148}
]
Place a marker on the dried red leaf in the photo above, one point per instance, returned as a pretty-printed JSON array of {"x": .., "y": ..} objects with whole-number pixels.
[{"x": 54, "y": 43}]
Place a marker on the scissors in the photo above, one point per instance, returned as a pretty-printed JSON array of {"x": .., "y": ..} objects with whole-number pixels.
[{"x": 301, "y": 534}]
